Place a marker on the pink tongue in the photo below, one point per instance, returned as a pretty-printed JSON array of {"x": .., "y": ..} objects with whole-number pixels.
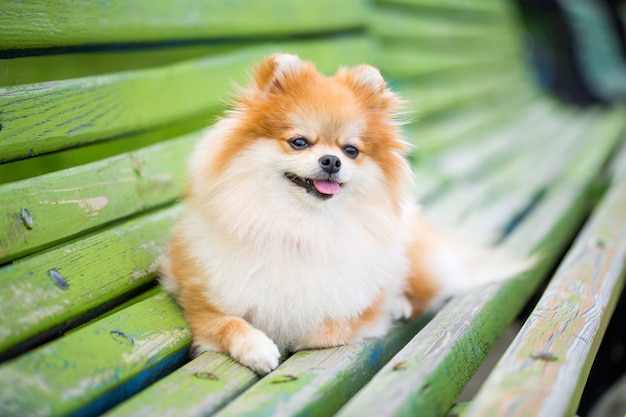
[{"x": 327, "y": 187}]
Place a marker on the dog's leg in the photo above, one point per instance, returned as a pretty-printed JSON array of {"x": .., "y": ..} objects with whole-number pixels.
[{"x": 211, "y": 328}]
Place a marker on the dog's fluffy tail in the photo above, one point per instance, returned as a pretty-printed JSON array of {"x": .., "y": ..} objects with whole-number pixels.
[
  {"x": 459, "y": 267},
  {"x": 457, "y": 262}
]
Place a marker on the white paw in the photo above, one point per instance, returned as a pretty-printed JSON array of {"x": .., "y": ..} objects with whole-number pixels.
[
  {"x": 256, "y": 351},
  {"x": 401, "y": 309}
]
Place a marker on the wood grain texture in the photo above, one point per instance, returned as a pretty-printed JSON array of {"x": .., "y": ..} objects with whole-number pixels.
[
  {"x": 492, "y": 202},
  {"x": 44, "y": 117},
  {"x": 319, "y": 382},
  {"x": 391, "y": 23},
  {"x": 452, "y": 6},
  {"x": 199, "y": 388},
  {"x": 309, "y": 382},
  {"x": 437, "y": 134},
  {"x": 544, "y": 370},
  {"x": 68, "y": 203},
  {"x": 95, "y": 366},
  {"x": 53, "y": 288},
  {"x": 33, "y": 24},
  {"x": 405, "y": 61},
  {"x": 432, "y": 96}
]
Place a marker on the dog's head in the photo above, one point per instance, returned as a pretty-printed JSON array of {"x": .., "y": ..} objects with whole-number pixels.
[{"x": 298, "y": 134}]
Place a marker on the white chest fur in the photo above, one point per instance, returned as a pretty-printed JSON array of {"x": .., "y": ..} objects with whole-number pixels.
[{"x": 289, "y": 284}]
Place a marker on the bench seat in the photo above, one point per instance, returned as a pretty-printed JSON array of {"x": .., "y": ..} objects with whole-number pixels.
[{"x": 92, "y": 166}]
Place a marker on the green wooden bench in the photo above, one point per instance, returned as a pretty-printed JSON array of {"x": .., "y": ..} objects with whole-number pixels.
[{"x": 100, "y": 106}]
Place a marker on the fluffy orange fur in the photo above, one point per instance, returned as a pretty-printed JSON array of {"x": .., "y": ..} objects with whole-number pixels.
[{"x": 262, "y": 263}]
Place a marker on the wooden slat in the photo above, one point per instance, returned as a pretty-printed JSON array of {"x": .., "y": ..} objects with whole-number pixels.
[
  {"x": 403, "y": 23},
  {"x": 42, "y": 68},
  {"x": 317, "y": 382},
  {"x": 426, "y": 377},
  {"x": 45, "y": 292},
  {"x": 33, "y": 24},
  {"x": 199, "y": 388},
  {"x": 438, "y": 133},
  {"x": 39, "y": 212},
  {"x": 501, "y": 187},
  {"x": 469, "y": 170},
  {"x": 43, "y": 117},
  {"x": 320, "y": 381},
  {"x": 405, "y": 61},
  {"x": 456, "y": 6},
  {"x": 544, "y": 370},
  {"x": 73, "y": 157},
  {"x": 488, "y": 146},
  {"x": 491, "y": 204},
  {"x": 430, "y": 178},
  {"x": 97, "y": 365},
  {"x": 437, "y": 94}
]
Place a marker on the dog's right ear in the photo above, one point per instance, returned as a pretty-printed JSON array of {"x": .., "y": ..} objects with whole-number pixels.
[{"x": 270, "y": 75}]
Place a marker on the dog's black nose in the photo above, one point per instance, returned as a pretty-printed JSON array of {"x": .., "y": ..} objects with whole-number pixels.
[{"x": 330, "y": 163}]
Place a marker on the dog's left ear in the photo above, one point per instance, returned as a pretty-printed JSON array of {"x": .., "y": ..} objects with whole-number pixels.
[
  {"x": 367, "y": 78},
  {"x": 270, "y": 75},
  {"x": 367, "y": 82}
]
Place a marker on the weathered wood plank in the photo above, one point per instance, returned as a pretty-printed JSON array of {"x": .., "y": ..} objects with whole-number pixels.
[
  {"x": 402, "y": 23},
  {"x": 427, "y": 375},
  {"x": 320, "y": 381},
  {"x": 33, "y": 24},
  {"x": 43, "y": 117},
  {"x": 491, "y": 178},
  {"x": 45, "y": 292},
  {"x": 444, "y": 355},
  {"x": 436, "y": 134},
  {"x": 449, "y": 169},
  {"x": 405, "y": 61},
  {"x": 440, "y": 136},
  {"x": 431, "y": 95},
  {"x": 502, "y": 188},
  {"x": 199, "y": 388},
  {"x": 544, "y": 370},
  {"x": 73, "y": 157},
  {"x": 490, "y": 206},
  {"x": 97, "y": 365},
  {"x": 309, "y": 382},
  {"x": 77, "y": 64},
  {"x": 452, "y": 6},
  {"x": 42, "y": 211}
]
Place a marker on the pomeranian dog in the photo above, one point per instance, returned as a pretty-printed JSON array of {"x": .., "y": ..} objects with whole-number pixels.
[{"x": 300, "y": 228}]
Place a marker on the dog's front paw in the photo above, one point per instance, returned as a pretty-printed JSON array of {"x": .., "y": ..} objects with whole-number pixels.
[
  {"x": 402, "y": 309},
  {"x": 256, "y": 351}
]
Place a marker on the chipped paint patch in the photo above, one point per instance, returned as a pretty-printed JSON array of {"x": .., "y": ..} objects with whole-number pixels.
[
  {"x": 83, "y": 386},
  {"x": 15, "y": 398},
  {"x": 141, "y": 273},
  {"x": 5, "y": 332},
  {"x": 91, "y": 206},
  {"x": 41, "y": 313},
  {"x": 144, "y": 349}
]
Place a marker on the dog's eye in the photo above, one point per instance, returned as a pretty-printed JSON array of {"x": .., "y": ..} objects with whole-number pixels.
[
  {"x": 351, "y": 151},
  {"x": 299, "y": 143}
]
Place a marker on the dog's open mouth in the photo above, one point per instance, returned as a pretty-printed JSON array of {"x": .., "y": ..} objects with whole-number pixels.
[{"x": 320, "y": 188}]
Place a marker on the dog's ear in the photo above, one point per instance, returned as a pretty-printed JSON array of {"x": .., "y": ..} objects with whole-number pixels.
[
  {"x": 367, "y": 78},
  {"x": 269, "y": 75},
  {"x": 368, "y": 83}
]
